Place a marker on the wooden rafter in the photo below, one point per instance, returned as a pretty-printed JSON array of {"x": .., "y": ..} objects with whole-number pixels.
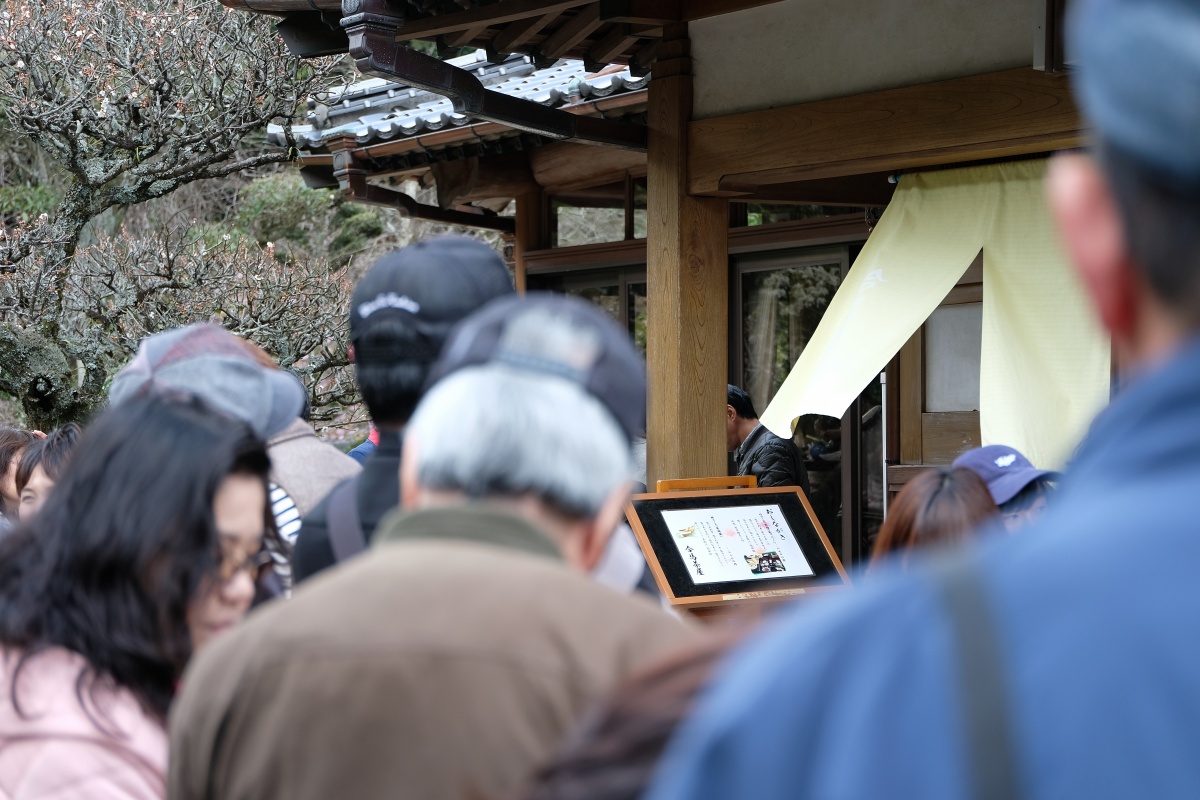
[
  {"x": 571, "y": 32},
  {"x": 619, "y": 39},
  {"x": 495, "y": 14},
  {"x": 464, "y": 37},
  {"x": 518, "y": 33}
]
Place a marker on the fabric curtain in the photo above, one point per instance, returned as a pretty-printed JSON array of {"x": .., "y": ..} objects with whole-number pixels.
[{"x": 1044, "y": 363}]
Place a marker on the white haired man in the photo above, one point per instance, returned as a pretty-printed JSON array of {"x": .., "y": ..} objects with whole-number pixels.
[{"x": 450, "y": 660}]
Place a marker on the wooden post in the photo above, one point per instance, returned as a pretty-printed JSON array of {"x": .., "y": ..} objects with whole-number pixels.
[
  {"x": 529, "y": 233},
  {"x": 687, "y": 289}
]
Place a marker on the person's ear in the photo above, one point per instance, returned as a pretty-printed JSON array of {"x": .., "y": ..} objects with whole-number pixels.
[
  {"x": 350, "y": 353},
  {"x": 598, "y": 531},
  {"x": 409, "y": 490},
  {"x": 730, "y": 414},
  {"x": 1083, "y": 205}
]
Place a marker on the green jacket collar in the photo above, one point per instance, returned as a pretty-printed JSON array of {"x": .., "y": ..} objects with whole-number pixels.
[{"x": 467, "y": 523}]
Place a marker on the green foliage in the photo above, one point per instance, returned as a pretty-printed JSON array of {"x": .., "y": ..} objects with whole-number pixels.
[
  {"x": 357, "y": 226},
  {"x": 27, "y": 203},
  {"x": 280, "y": 207}
]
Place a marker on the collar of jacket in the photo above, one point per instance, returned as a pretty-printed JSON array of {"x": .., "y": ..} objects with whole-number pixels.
[
  {"x": 1148, "y": 429},
  {"x": 469, "y": 523},
  {"x": 390, "y": 443},
  {"x": 745, "y": 446},
  {"x": 298, "y": 429}
]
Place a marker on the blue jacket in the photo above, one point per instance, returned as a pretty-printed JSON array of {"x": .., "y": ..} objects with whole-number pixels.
[{"x": 1097, "y": 610}]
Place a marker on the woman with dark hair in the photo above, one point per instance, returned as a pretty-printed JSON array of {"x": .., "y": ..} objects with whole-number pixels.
[
  {"x": 936, "y": 507},
  {"x": 13, "y": 442},
  {"x": 150, "y": 548},
  {"x": 41, "y": 464}
]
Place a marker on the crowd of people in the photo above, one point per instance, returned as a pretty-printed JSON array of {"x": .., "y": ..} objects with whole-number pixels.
[{"x": 200, "y": 599}]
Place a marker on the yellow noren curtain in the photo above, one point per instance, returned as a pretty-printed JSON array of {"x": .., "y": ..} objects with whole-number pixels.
[{"x": 1045, "y": 362}]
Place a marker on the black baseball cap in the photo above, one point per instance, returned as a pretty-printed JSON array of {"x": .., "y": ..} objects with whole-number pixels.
[
  {"x": 601, "y": 358},
  {"x": 426, "y": 287}
]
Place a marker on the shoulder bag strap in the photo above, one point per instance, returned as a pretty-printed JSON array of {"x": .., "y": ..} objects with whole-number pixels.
[
  {"x": 992, "y": 762},
  {"x": 346, "y": 536}
]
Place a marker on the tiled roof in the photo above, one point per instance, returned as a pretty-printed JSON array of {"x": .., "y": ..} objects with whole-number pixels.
[{"x": 377, "y": 110}]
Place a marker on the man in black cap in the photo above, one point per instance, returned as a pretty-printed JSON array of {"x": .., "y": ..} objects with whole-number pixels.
[
  {"x": 400, "y": 313},
  {"x": 1061, "y": 663},
  {"x": 451, "y": 660}
]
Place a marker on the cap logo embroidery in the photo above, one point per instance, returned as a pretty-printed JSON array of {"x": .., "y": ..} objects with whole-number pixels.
[
  {"x": 1004, "y": 461},
  {"x": 389, "y": 300}
]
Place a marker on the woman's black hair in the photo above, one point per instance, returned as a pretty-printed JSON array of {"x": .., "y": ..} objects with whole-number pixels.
[
  {"x": 111, "y": 567},
  {"x": 50, "y": 453}
]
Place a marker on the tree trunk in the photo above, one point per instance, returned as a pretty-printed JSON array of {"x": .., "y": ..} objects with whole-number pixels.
[{"x": 34, "y": 370}]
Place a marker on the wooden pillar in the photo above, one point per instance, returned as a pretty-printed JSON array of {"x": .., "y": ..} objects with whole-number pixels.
[
  {"x": 529, "y": 233},
  {"x": 687, "y": 289}
]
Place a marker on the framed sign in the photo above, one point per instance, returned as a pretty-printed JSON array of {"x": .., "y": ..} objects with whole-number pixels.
[{"x": 732, "y": 545}]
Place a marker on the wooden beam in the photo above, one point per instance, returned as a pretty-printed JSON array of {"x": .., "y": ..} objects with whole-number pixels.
[
  {"x": 1008, "y": 113},
  {"x": 912, "y": 397},
  {"x": 520, "y": 32},
  {"x": 529, "y": 235},
  {"x": 571, "y": 32},
  {"x": 475, "y": 179},
  {"x": 615, "y": 42},
  {"x": 561, "y": 166},
  {"x": 687, "y": 294},
  {"x": 642, "y": 12},
  {"x": 495, "y": 14}
]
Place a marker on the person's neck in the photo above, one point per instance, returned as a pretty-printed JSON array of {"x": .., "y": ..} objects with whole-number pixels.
[
  {"x": 745, "y": 428},
  {"x": 1158, "y": 336}
]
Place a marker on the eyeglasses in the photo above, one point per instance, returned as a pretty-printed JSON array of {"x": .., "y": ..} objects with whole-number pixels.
[{"x": 256, "y": 565}]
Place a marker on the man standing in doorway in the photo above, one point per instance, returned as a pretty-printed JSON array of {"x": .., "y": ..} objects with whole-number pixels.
[{"x": 773, "y": 460}]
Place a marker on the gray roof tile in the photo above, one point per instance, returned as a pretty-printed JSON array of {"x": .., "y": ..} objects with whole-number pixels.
[{"x": 379, "y": 110}]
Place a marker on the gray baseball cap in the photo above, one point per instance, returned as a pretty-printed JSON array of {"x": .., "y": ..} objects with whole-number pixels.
[
  {"x": 1137, "y": 78},
  {"x": 602, "y": 360},
  {"x": 211, "y": 363}
]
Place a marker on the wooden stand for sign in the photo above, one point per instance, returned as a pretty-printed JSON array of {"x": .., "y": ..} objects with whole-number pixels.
[{"x": 735, "y": 608}]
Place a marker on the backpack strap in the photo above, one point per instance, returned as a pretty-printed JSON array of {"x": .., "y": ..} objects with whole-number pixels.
[
  {"x": 346, "y": 536},
  {"x": 991, "y": 757}
]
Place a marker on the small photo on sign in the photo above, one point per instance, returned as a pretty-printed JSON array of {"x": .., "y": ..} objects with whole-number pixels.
[
  {"x": 765, "y": 562},
  {"x": 736, "y": 543}
]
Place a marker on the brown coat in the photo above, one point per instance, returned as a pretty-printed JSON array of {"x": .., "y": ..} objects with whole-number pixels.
[
  {"x": 306, "y": 467},
  {"x": 447, "y": 663}
]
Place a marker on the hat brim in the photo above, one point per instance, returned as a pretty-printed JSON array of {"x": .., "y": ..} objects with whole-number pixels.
[
  {"x": 1009, "y": 485},
  {"x": 287, "y": 401}
]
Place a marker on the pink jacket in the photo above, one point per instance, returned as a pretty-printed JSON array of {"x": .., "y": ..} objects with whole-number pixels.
[{"x": 56, "y": 750}]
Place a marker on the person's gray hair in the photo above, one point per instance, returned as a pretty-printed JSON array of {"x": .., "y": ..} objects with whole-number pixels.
[{"x": 498, "y": 431}]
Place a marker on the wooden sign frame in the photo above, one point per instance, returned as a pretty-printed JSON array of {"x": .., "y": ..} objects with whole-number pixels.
[{"x": 644, "y": 514}]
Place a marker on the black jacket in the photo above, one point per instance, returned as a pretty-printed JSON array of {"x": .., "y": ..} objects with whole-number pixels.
[
  {"x": 377, "y": 491},
  {"x": 774, "y": 461}
]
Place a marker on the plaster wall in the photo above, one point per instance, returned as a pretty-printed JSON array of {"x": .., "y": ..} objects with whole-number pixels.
[{"x": 797, "y": 51}]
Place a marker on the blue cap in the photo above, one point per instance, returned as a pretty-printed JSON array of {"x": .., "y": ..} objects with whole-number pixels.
[
  {"x": 1005, "y": 471},
  {"x": 1137, "y": 81}
]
